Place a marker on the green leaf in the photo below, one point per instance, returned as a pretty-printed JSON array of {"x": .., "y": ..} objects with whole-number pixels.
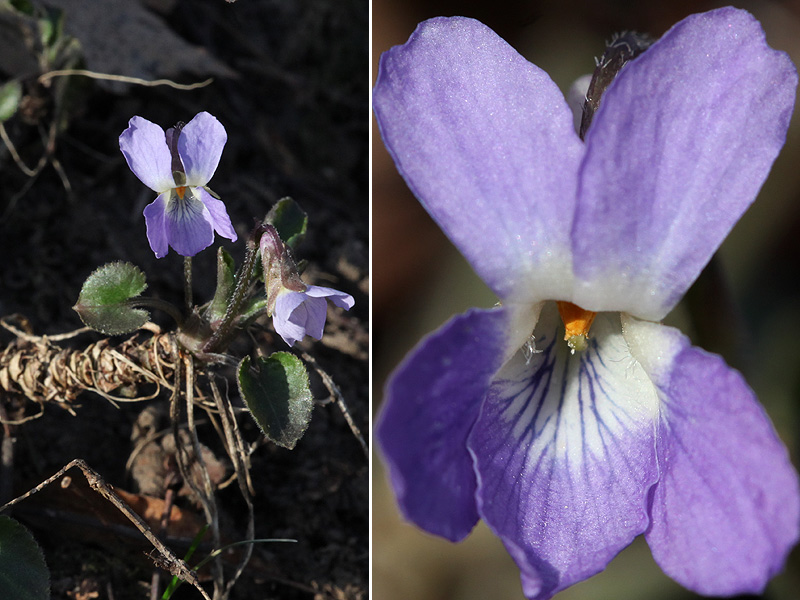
[
  {"x": 10, "y": 95},
  {"x": 23, "y": 572},
  {"x": 104, "y": 304},
  {"x": 226, "y": 282},
  {"x": 277, "y": 392},
  {"x": 290, "y": 220}
]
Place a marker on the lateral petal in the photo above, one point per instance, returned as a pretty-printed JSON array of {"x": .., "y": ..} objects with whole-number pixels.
[
  {"x": 679, "y": 148},
  {"x": 485, "y": 141},
  {"x": 429, "y": 407},
  {"x": 340, "y": 299},
  {"x": 218, "y": 213},
  {"x": 564, "y": 449},
  {"x": 726, "y": 510},
  {"x": 156, "y": 227}
]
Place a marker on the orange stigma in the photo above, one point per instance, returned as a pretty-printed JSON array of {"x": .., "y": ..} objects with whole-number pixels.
[
  {"x": 180, "y": 191},
  {"x": 577, "y": 322}
]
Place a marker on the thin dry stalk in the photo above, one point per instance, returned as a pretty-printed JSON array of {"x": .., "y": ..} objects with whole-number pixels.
[{"x": 167, "y": 561}]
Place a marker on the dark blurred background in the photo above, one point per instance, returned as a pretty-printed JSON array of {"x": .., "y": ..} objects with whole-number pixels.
[{"x": 745, "y": 306}]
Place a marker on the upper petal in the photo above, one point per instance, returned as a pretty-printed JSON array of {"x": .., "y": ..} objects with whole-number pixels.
[
  {"x": 144, "y": 147},
  {"x": 200, "y": 147},
  {"x": 565, "y": 454},
  {"x": 429, "y": 407},
  {"x": 682, "y": 142},
  {"x": 726, "y": 510},
  {"x": 485, "y": 141}
]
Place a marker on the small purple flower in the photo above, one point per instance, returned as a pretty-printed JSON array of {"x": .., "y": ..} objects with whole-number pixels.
[
  {"x": 297, "y": 314},
  {"x": 178, "y": 165},
  {"x": 568, "y": 456}
]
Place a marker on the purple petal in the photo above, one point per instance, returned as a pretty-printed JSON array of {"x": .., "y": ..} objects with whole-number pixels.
[
  {"x": 218, "y": 213},
  {"x": 145, "y": 149},
  {"x": 156, "y": 226},
  {"x": 485, "y": 140},
  {"x": 200, "y": 147},
  {"x": 680, "y": 146},
  {"x": 565, "y": 454},
  {"x": 430, "y": 405},
  {"x": 338, "y": 298},
  {"x": 726, "y": 510},
  {"x": 188, "y": 225}
]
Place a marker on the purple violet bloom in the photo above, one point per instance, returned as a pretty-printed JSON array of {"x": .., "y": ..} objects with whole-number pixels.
[
  {"x": 298, "y": 314},
  {"x": 185, "y": 215},
  {"x": 568, "y": 456}
]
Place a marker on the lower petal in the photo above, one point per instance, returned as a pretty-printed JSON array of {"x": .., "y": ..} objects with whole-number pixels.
[
  {"x": 188, "y": 224},
  {"x": 311, "y": 315},
  {"x": 565, "y": 454},
  {"x": 156, "y": 226},
  {"x": 726, "y": 510},
  {"x": 220, "y": 220},
  {"x": 430, "y": 405},
  {"x": 286, "y": 305}
]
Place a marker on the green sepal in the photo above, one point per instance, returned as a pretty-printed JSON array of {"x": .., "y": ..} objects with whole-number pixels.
[
  {"x": 226, "y": 282},
  {"x": 10, "y": 95},
  {"x": 277, "y": 392},
  {"x": 23, "y": 572},
  {"x": 104, "y": 304},
  {"x": 290, "y": 220}
]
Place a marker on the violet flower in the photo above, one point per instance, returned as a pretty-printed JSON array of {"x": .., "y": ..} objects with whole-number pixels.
[
  {"x": 298, "y": 314},
  {"x": 297, "y": 309},
  {"x": 568, "y": 456},
  {"x": 178, "y": 165}
]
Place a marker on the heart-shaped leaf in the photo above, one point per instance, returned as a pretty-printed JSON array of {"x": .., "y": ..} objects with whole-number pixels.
[
  {"x": 277, "y": 392},
  {"x": 103, "y": 302},
  {"x": 290, "y": 220}
]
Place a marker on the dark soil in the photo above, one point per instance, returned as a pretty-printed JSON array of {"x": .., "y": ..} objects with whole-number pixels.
[{"x": 291, "y": 90}]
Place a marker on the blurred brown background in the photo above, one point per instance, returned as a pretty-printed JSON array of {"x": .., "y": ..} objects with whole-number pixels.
[{"x": 419, "y": 281}]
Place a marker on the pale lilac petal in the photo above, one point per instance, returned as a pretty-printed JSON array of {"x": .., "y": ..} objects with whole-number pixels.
[
  {"x": 485, "y": 141},
  {"x": 145, "y": 149},
  {"x": 156, "y": 226},
  {"x": 218, "y": 213},
  {"x": 565, "y": 454},
  {"x": 298, "y": 314},
  {"x": 188, "y": 224},
  {"x": 429, "y": 407},
  {"x": 726, "y": 510},
  {"x": 285, "y": 306},
  {"x": 200, "y": 148},
  {"x": 679, "y": 148},
  {"x": 338, "y": 298}
]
